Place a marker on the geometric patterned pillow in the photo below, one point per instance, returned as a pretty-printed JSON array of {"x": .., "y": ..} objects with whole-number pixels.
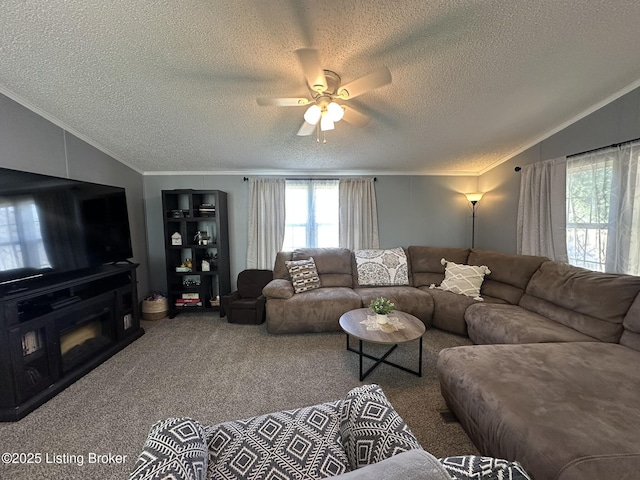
[
  {"x": 471, "y": 467},
  {"x": 176, "y": 448},
  {"x": 300, "y": 443},
  {"x": 304, "y": 274},
  {"x": 371, "y": 428},
  {"x": 463, "y": 279}
]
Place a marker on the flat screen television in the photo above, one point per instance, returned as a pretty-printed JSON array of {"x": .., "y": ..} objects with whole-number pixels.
[{"x": 51, "y": 225}]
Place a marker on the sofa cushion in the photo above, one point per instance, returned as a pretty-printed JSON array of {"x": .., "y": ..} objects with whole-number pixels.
[
  {"x": 473, "y": 467},
  {"x": 300, "y": 443},
  {"x": 448, "y": 310},
  {"x": 316, "y": 310},
  {"x": 425, "y": 263},
  {"x": 304, "y": 275},
  {"x": 463, "y": 279},
  {"x": 371, "y": 429},
  {"x": 492, "y": 323},
  {"x": 510, "y": 273},
  {"x": 558, "y": 291},
  {"x": 279, "y": 267},
  {"x": 631, "y": 334},
  {"x": 565, "y": 411},
  {"x": 333, "y": 264},
  {"x": 175, "y": 448},
  {"x": 406, "y": 299}
]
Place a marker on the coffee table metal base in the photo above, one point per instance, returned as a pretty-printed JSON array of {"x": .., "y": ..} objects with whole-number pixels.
[{"x": 383, "y": 359}]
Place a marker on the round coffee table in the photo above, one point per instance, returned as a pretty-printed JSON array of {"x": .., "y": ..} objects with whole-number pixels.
[{"x": 402, "y": 327}]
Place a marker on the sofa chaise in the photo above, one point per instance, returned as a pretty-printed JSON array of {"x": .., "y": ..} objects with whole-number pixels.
[
  {"x": 555, "y": 384},
  {"x": 359, "y": 437}
]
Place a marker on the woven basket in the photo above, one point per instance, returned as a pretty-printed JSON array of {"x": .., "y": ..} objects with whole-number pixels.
[{"x": 155, "y": 309}]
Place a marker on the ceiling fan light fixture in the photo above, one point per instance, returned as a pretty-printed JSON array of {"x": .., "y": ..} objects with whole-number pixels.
[
  {"x": 335, "y": 111},
  {"x": 326, "y": 123},
  {"x": 313, "y": 114}
]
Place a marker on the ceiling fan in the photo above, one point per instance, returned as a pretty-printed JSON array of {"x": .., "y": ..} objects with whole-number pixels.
[{"x": 327, "y": 93}]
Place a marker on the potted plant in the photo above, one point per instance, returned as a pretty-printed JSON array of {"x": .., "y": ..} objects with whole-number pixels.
[{"x": 382, "y": 307}]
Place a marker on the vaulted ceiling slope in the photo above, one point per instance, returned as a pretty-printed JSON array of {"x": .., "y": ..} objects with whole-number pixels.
[{"x": 172, "y": 86}]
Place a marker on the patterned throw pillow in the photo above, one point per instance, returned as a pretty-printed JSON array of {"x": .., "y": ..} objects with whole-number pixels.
[
  {"x": 175, "y": 448},
  {"x": 463, "y": 279},
  {"x": 471, "y": 467},
  {"x": 371, "y": 428},
  {"x": 301, "y": 443},
  {"x": 382, "y": 267},
  {"x": 304, "y": 274}
]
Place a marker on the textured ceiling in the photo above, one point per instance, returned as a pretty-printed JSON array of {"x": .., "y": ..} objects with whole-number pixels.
[{"x": 172, "y": 85}]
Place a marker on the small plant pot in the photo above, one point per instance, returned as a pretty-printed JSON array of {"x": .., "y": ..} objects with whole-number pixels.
[{"x": 382, "y": 318}]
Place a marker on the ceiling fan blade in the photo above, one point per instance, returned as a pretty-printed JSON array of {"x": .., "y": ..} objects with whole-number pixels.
[
  {"x": 282, "y": 102},
  {"x": 310, "y": 61},
  {"x": 306, "y": 129},
  {"x": 355, "y": 118},
  {"x": 375, "y": 79}
]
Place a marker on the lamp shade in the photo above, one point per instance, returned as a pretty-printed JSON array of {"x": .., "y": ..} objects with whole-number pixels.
[
  {"x": 326, "y": 123},
  {"x": 474, "y": 197},
  {"x": 335, "y": 111},
  {"x": 312, "y": 115}
]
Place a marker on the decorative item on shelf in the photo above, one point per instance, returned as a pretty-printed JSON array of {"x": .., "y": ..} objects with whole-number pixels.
[
  {"x": 382, "y": 307},
  {"x": 206, "y": 266},
  {"x": 207, "y": 210},
  {"x": 186, "y": 266},
  {"x": 473, "y": 198},
  {"x": 201, "y": 237},
  {"x": 189, "y": 282},
  {"x": 178, "y": 213},
  {"x": 215, "y": 302},
  {"x": 176, "y": 239}
]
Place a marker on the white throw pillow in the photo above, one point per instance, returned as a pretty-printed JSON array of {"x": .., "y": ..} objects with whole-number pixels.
[{"x": 463, "y": 279}]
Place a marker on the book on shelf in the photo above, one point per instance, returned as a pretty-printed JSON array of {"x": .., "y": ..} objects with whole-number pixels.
[
  {"x": 187, "y": 300},
  {"x": 188, "y": 304}
]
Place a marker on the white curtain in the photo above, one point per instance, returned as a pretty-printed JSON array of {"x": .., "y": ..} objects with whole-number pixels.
[
  {"x": 623, "y": 245},
  {"x": 266, "y": 221},
  {"x": 358, "y": 214},
  {"x": 604, "y": 209},
  {"x": 541, "y": 227}
]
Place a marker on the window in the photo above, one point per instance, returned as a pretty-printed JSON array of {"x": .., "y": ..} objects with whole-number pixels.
[
  {"x": 312, "y": 214},
  {"x": 588, "y": 203},
  {"x": 603, "y": 209}
]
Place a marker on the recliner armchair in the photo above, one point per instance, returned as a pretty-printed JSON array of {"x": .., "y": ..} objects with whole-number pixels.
[{"x": 247, "y": 304}]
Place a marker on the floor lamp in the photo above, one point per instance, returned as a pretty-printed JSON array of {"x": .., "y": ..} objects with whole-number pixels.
[{"x": 473, "y": 198}]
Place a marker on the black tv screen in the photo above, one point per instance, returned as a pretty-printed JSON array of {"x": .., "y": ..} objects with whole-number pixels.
[{"x": 51, "y": 225}]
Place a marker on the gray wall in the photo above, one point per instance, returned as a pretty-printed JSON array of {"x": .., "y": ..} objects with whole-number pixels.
[
  {"x": 616, "y": 122},
  {"x": 412, "y": 210},
  {"x": 31, "y": 143}
]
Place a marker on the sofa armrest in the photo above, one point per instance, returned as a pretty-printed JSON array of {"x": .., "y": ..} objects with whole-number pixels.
[
  {"x": 278, "y": 288},
  {"x": 411, "y": 465},
  {"x": 175, "y": 448}
]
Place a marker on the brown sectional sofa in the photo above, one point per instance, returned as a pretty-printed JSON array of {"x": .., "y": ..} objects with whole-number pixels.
[{"x": 553, "y": 379}]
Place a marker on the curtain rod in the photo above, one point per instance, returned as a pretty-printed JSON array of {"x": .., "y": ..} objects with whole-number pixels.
[
  {"x": 375, "y": 179},
  {"x": 613, "y": 145}
]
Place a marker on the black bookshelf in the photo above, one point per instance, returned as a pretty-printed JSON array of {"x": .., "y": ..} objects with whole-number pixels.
[{"x": 196, "y": 228}]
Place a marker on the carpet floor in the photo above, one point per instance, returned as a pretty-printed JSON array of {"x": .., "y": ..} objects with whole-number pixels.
[{"x": 202, "y": 367}]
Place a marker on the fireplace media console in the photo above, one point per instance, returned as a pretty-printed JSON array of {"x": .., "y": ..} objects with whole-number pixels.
[{"x": 53, "y": 333}]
